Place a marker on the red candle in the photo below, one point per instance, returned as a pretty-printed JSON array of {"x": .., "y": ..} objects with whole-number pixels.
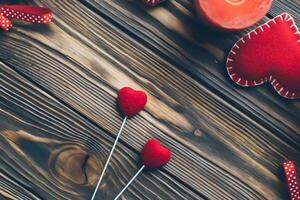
[{"x": 232, "y": 14}]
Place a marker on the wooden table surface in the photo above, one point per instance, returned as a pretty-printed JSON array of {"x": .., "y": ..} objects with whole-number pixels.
[{"x": 58, "y": 87}]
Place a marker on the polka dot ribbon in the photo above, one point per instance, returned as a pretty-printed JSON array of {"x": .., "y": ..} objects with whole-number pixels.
[
  {"x": 292, "y": 179},
  {"x": 32, "y": 14}
]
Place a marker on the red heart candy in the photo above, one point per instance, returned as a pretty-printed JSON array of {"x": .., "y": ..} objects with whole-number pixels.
[
  {"x": 154, "y": 155},
  {"x": 270, "y": 53},
  {"x": 131, "y": 101}
]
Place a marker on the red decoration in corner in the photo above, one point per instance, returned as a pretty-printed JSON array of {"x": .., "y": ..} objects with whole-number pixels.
[
  {"x": 131, "y": 101},
  {"x": 153, "y": 2},
  {"x": 154, "y": 155},
  {"x": 270, "y": 53},
  {"x": 292, "y": 179},
  {"x": 32, "y": 14}
]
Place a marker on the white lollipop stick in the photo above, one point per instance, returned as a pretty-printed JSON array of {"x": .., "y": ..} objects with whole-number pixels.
[
  {"x": 132, "y": 179},
  {"x": 154, "y": 156},
  {"x": 109, "y": 157}
]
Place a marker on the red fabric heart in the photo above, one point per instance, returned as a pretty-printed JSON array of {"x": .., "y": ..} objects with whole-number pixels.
[
  {"x": 270, "y": 53},
  {"x": 131, "y": 101},
  {"x": 154, "y": 155}
]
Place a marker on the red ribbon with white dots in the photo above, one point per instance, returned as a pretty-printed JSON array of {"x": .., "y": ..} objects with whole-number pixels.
[
  {"x": 32, "y": 14},
  {"x": 292, "y": 179}
]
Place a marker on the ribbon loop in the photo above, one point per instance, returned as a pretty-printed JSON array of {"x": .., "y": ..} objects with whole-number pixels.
[{"x": 32, "y": 14}]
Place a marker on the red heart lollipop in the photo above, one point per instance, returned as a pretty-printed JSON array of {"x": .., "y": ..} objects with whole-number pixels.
[
  {"x": 131, "y": 101},
  {"x": 154, "y": 155},
  {"x": 270, "y": 53}
]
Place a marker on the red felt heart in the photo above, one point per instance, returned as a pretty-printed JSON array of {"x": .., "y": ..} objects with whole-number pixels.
[
  {"x": 154, "y": 155},
  {"x": 270, "y": 53},
  {"x": 131, "y": 101}
]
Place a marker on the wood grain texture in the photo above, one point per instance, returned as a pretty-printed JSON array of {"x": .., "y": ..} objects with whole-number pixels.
[
  {"x": 231, "y": 140},
  {"x": 49, "y": 151},
  {"x": 292, "y": 7}
]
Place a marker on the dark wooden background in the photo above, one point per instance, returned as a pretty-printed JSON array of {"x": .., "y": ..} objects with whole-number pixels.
[{"x": 58, "y": 88}]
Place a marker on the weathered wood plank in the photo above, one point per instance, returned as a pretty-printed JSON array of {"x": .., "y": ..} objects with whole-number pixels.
[
  {"x": 47, "y": 151},
  {"x": 10, "y": 189},
  {"x": 188, "y": 106},
  {"x": 93, "y": 86},
  {"x": 102, "y": 110}
]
